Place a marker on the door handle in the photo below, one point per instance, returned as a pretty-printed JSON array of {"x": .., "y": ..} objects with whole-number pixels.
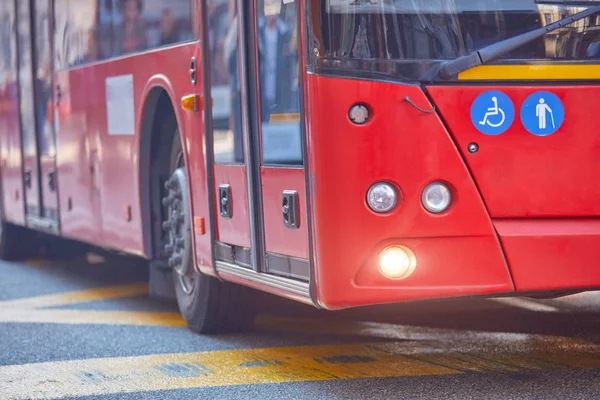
[
  {"x": 58, "y": 94},
  {"x": 193, "y": 70},
  {"x": 27, "y": 178},
  {"x": 225, "y": 201},
  {"x": 52, "y": 180},
  {"x": 289, "y": 209}
]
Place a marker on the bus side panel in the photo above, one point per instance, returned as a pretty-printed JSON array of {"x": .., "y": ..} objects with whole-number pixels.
[
  {"x": 105, "y": 130},
  {"x": 120, "y": 152},
  {"x": 10, "y": 155},
  {"x": 77, "y": 161},
  {"x": 118, "y": 147},
  {"x": 99, "y": 119}
]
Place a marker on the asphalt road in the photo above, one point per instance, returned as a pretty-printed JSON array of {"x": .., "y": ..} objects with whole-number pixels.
[{"x": 75, "y": 329}]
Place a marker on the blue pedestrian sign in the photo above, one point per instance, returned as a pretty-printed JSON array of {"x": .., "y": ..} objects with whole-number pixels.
[
  {"x": 542, "y": 113},
  {"x": 492, "y": 112}
]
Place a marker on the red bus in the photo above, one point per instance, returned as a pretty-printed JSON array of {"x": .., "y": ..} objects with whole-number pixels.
[{"x": 340, "y": 153}]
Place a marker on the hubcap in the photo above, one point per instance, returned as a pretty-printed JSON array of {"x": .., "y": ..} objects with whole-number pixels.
[{"x": 177, "y": 230}]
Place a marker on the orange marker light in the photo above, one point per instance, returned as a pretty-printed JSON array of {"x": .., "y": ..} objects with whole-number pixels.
[
  {"x": 199, "y": 228},
  {"x": 190, "y": 102}
]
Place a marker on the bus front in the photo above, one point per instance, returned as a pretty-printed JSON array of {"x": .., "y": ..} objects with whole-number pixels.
[{"x": 448, "y": 158}]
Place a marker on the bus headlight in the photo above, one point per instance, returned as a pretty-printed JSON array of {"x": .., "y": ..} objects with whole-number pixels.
[
  {"x": 397, "y": 262},
  {"x": 382, "y": 197},
  {"x": 436, "y": 197}
]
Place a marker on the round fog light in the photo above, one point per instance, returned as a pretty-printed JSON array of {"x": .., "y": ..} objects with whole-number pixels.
[
  {"x": 382, "y": 197},
  {"x": 436, "y": 197},
  {"x": 397, "y": 262}
]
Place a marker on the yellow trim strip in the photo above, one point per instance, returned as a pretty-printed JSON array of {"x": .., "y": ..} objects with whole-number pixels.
[
  {"x": 285, "y": 117},
  {"x": 558, "y": 72}
]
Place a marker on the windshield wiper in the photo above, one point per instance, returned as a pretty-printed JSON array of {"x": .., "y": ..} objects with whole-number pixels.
[{"x": 451, "y": 69}]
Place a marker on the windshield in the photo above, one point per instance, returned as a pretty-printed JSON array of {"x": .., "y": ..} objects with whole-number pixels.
[{"x": 406, "y": 37}]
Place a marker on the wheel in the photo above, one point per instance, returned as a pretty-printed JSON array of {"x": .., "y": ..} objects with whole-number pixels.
[{"x": 207, "y": 304}]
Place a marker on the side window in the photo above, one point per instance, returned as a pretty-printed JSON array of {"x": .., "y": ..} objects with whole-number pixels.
[
  {"x": 74, "y": 26},
  {"x": 140, "y": 25},
  {"x": 278, "y": 65},
  {"x": 42, "y": 79},
  {"x": 26, "y": 81},
  {"x": 224, "y": 81},
  {"x": 8, "y": 62},
  {"x": 61, "y": 34},
  {"x": 87, "y": 31}
]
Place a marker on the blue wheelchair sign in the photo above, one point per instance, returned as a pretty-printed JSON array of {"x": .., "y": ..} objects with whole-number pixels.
[
  {"x": 542, "y": 113},
  {"x": 492, "y": 112}
]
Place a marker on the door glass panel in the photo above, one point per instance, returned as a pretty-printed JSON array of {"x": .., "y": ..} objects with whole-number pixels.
[
  {"x": 279, "y": 68},
  {"x": 7, "y": 50},
  {"x": 26, "y": 83},
  {"x": 43, "y": 80},
  {"x": 224, "y": 81}
]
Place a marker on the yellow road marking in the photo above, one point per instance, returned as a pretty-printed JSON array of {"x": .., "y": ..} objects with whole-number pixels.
[
  {"x": 80, "y": 296},
  {"x": 274, "y": 365}
]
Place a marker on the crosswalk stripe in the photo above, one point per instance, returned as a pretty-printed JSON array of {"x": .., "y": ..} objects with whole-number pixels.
[
  {"x": 91, "y": 317},
  {"x": 94, "y": 377}
]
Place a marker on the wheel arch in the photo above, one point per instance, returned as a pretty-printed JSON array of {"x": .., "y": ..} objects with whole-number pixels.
[{"x": 158, "y": 105}]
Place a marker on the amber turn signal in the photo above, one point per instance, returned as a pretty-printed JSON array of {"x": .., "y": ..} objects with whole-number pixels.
[{"x": 190, "y": 102}]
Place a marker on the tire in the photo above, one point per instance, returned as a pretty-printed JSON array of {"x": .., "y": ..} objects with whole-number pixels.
[
  {"x": 216, "y": 307},
  {"x": 208, "y": 305}
]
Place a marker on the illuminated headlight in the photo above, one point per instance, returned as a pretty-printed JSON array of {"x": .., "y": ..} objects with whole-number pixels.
[
  {"x": 436, "y": 197},
  {"x": 382, "y": 197},
  {"x": 397, "y": 262}
]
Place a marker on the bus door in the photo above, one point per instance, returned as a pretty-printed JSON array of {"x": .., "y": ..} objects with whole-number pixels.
[
  {"x": 10, "y": 136},
  {"x": 234, "y": 239},
  {"x": 276, "y": 131},
  {"x": 36, "y": 104},
  {"x": 261, "y": 220}
]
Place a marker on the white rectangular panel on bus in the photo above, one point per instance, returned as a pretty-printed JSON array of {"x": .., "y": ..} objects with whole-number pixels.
[{"x": 119, "y": 105}]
